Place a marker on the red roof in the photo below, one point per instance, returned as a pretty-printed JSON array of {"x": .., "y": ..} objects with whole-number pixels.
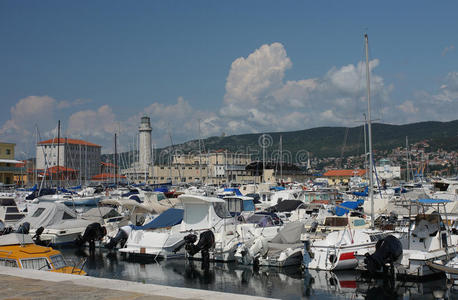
[
  {"x": 106, "y": 176},
  {"x": 21, "y": 164},
  {"x": 344, "y": 173},
  {"x": 60, "y": 169},
  {"x": 69, "y": 141}
]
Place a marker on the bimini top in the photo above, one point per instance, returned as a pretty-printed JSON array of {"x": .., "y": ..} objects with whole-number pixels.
[
  {"x": 199, "y": 199},
  {"x": 431, "y": 201}
]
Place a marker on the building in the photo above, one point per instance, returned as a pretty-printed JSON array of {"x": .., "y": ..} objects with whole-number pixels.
[
  {"x": 386, "y": 171},
  {"x": 342, "y": 176},
  {"x": 73, "y": 154},
  {"x": 7, "y": 163}
]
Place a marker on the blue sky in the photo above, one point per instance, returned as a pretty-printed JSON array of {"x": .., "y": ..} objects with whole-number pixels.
[{"x": 238, "y": 66}]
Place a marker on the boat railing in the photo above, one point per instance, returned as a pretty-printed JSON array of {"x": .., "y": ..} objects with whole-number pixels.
[{"x": 79, "y": 266}]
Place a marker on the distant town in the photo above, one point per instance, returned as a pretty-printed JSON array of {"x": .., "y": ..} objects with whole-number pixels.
[{"x": 77, "y": 161}]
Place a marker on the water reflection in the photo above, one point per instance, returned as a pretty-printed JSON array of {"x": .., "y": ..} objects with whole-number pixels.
[{"x": 288, "y": 283}]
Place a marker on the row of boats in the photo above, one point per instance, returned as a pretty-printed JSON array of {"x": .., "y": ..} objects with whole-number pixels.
[{"x": 413, "y": 233}]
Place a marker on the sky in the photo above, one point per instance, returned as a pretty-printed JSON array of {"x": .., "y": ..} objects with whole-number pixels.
[{"x": 233, "y": 66}]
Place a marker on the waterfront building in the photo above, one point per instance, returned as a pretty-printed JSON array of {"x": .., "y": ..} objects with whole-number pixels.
[
  {"x": 336, "y": 177},
  {"x": 74, "y": 154},
  {"x": 7, "y": 163}
]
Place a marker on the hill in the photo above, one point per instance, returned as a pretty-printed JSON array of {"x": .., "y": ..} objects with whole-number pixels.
[{"x": 331, "y": 141}]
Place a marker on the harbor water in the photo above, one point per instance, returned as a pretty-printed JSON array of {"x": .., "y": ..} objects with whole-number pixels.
[{"x": 287, "y": 283}]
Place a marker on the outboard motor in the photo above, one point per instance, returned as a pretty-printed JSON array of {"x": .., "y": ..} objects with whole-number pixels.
[
  {"x": 93, "y": 232},
  {"x": 120, "y": 238},
  {"x": 387, "y": 250},
  {"x": 206, "y": 242},
  {"x": 37, "y": 238},
  {"x": 24, "y": 228}
]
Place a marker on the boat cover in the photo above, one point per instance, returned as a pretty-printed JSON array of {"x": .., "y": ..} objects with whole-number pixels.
[
  {"x": 289, "y": 234},
  {"x": 286, "y": 205},
  {"x": 352, "y": 205},
  {"x": 48, "y": 213},
  {"x": 15, "y": 239},
  {"x": 168, "y": 218},
  {"x": 101, "y": 212}
]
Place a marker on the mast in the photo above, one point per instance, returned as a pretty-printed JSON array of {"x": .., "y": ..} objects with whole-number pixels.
[
  {"x": 116, "y": 160},
  {"x": 263, "y": 158},
  {"x": 407, "y": 160},
  {"x": 369, "y": 129},
  {"x": 200, "y": 156},
  {"x": 58, "y": 161},
  {"x": 281, "y": 159},
  {"x": 365, "y": 148},
  {"x": 65, "y": 160}
]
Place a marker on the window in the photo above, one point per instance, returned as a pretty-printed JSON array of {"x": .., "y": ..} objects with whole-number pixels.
[
  {"x": 8, "y": 151},
  {"x": 40, "y": 263},
  {"x": 67, "y": 216},
  {"x": 38, "y": 212},
  {"x": 221, "y": 210},
  {"x": 58, "y": 261},
  {"x": 8, "y": 262}
]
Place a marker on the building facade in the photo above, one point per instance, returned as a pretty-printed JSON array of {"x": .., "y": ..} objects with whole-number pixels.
[
  {"x": 7, "y": 163},
  {"x": 74, "y": 154}
]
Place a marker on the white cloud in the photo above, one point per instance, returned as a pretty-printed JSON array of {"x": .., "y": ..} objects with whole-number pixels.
[
  {"x": 98, "y": 123},
  {"x": 258, "y": 98}
]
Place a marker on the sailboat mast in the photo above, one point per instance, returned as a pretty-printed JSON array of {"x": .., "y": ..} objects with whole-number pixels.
[
  {"x": 407, "y": 160},
  {"x": 369, "y": 129},
  {"x": 281, "y": 159},
  {"x": 116, "y": 160},
  {"x": 58, "y": 161}
]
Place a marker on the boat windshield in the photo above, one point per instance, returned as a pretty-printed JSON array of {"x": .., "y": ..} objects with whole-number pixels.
[
  {"x": 39, "y": 263},
  {"x": 58, "y": 261},
  {"x": 221, "y": 210}
]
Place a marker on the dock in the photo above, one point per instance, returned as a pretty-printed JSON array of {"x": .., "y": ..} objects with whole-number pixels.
[{"x": 33, "y": 284}]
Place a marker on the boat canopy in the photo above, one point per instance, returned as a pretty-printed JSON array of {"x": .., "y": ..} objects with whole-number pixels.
[
  {"x": 168, "y": 218},
  {"x": 48, "y": 213},
  {"x": 199, "y": 199}
]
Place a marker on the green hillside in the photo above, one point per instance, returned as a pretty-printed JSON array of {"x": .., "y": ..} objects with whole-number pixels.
[{"x": 329, "y": 141}]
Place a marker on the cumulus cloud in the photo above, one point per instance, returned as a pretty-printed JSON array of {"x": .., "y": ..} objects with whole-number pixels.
[
  {"x": 92, "y": 123},
  {"x": 258, "y": 98},
  {"x": 179, "y": 119}
]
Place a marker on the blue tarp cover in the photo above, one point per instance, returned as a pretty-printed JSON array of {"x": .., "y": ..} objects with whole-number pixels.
[
  {"x": 170, "y": 217},
  {"x": 161, "y": 189},
  {"x": 362, "y": 194},
  {"x": 431, "y": 201},
  {"x": 277, "y": 188},
  {"x": 235, "y": 191},
  {"x": 340, "y": 210}
]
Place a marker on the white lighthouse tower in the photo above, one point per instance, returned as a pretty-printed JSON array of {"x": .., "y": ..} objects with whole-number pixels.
[{"x": 145, "y": 143}]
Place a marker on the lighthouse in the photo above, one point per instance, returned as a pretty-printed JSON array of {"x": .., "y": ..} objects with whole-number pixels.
[{"x": 145, "y": 143}]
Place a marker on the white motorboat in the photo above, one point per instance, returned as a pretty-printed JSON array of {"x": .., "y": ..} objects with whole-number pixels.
[{"x": 283, "y": 249}]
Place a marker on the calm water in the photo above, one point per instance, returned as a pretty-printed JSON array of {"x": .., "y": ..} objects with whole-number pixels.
[{"x": 288, "y": 283}]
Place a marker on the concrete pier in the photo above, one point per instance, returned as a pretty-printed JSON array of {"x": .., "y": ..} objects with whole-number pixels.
[{"x": 32, "y": 284}]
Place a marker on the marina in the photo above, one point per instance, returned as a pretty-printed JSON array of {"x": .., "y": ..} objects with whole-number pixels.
[{"x": 219, "y": 150}]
